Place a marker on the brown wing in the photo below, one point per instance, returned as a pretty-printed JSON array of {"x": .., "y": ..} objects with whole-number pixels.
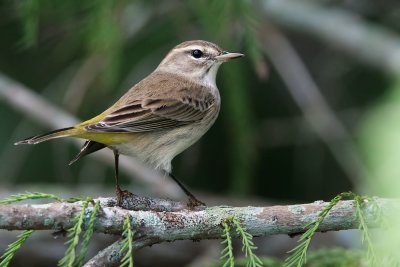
[{"x": 153, "y": 115}]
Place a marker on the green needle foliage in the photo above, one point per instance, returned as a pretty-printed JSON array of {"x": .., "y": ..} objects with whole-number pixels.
[
  {"x": 28, "y": 195},
  {"x": 30, "y": 16},
  {"x": 366, "y": 237},
  {"x": 14, "y": 247},
  {"x": 88, "y": 234},
  {"x": 227, "y": 252},
  {"x": 127, "y": 248},
  {"x": 248, "y": 246},
  {"x": 74, "y": 233},
  {"x": 337, "y": 257},
  {"x": 325, "y": 257},
  {"x": 69, "y": 258},
  {"x": 299, "y": 253}
]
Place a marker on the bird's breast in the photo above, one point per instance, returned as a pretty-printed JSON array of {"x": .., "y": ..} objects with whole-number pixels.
[{"x": 158, "y": 148}]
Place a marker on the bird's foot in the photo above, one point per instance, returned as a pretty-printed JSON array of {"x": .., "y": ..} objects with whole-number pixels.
[
  {"x": 121, "y": 195},
  {"x": 194, "y": 202}
]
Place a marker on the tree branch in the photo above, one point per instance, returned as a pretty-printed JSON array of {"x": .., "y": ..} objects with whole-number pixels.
[
  {"x": 189, "y": 224},
  {"x": 160, "y": 220}
]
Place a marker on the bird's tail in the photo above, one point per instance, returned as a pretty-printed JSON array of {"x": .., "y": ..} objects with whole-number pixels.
[{"x": 70, "y": 131}]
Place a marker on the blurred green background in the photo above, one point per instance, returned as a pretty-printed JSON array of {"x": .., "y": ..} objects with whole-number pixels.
[{"x": 311, "y": 111}]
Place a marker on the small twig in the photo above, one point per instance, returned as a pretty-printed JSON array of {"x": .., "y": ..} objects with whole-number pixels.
[{"x": 111, "y": 255}]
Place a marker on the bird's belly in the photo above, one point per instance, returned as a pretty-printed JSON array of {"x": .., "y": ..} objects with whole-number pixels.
[{"x": 157, "y": 149}]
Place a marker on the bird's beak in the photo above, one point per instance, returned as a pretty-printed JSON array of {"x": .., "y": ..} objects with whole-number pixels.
[{"x": 228, "y": 56}]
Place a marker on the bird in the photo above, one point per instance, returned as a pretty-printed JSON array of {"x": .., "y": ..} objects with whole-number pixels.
[{"x": 160, "y": 116}]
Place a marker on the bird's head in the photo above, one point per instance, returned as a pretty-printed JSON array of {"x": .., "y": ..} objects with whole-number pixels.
[{"x": 197, "y": 60}]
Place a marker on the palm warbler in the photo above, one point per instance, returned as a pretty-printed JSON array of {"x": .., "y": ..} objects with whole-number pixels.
[{"x": 160, "y": 116}]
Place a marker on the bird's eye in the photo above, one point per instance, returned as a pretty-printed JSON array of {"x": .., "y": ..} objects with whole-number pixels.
[{"x": 196, "y": 53}]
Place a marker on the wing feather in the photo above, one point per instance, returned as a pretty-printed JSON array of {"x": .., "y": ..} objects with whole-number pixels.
[
  {"x": 152, "y": 115},
  {"x": 165, "y": 107}
]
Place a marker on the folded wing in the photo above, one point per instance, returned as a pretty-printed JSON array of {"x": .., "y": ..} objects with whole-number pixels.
[{"x": 152, "y": 115}]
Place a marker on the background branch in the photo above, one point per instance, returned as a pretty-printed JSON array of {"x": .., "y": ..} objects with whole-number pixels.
[
  {"x": 313, "y": 104},
  {"x": 45, "y": 113},
  {"x": 368, "y": 42}
]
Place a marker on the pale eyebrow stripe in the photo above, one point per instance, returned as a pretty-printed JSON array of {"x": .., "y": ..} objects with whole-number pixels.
[{"x": 191, "y": 47}]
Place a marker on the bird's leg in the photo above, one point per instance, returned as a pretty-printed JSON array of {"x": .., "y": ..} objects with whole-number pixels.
[
  {"x": 117, "y": 187},
  {"x": 120, "y": 193},
  {"x": 193, "y": 201}
]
